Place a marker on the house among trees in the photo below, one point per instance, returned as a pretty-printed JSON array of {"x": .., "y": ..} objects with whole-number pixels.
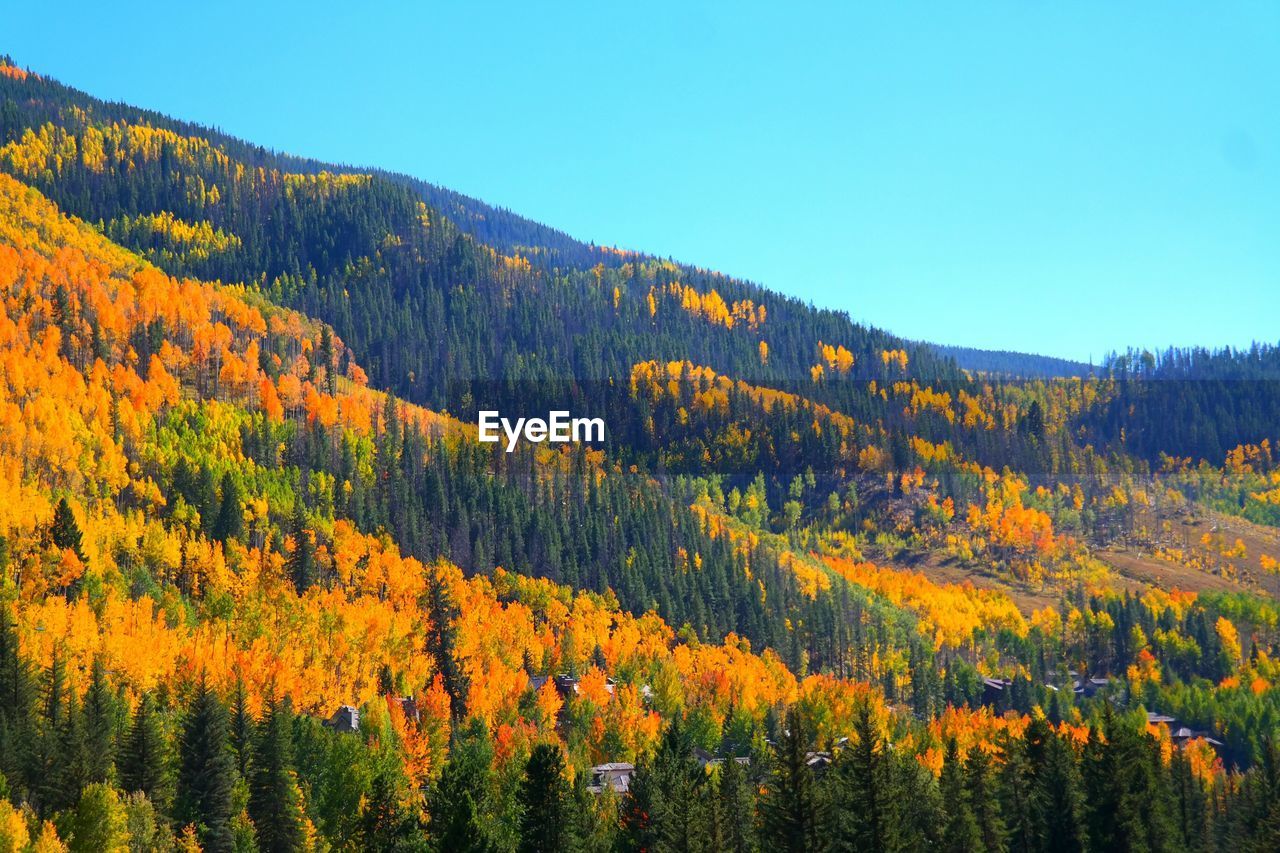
[
  {"x": 345, "y": 720},
  {"x": 567, "y": 685},
  {"x": 1179, "y": 734},
  {"x": 706, "y": 759},
  {"x": 616, "y": 775},
  {"x": 1089, "y": 687},
  {"x": 994, "y": 689},
  {"x": 1183, "y": 735},
  {"x": 408, "y": 706},
  {"x": 818, "y": 761}
]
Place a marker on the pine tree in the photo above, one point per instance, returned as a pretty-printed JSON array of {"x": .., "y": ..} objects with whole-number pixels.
[
  {"x": 640, "y": 804},
  {"x": 100, "y": 724},
  {"x": 206, "y": 773},
  {"x": 961, "y": 834},
  {"x": 59, "y": 750},
  {"x": 916, "y": 817},
  {"x": 230, "y": 519},
  {"x": 790, "y": 810},
  {"x": 543, "y": 794},
  {"x": 736, "y": 809},
  {"x": 17, "y": 698},
  {"x": 680, "y": 816},
  {"x": 1016, "y": 803},
  {"x": 1127, "y": 792},
  {"x": 385, "y": 825},
  {"x": 64, "y": 531},
  {"x": 461, "y": 793},
  {"x": 1056, "y": 799},
  {"x": 861, "y": 792},
  {"x": 275, "y": 803},
  {"x": 981, "y": 787},
  {"x": 440, "y": 641},
  {"x": 242, "y": 729},
  {"x": 301, "y": 560},
  {"x": 1190, "y": 805},
  {"x": 144, "y": 758}
]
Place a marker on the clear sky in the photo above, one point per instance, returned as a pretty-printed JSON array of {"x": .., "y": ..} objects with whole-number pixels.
[{"x": 1064, "y": 178}]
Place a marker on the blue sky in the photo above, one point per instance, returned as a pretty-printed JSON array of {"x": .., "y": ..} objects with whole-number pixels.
[{"x": 1062, "y": 178}]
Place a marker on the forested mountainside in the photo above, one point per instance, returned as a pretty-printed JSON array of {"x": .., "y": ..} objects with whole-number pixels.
[
  {"x": 817, "y": 589},
  {"x": 1014, "y": 365}
]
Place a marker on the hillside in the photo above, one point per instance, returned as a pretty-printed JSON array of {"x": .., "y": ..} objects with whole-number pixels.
[
  {"x": 263, "y": 589},
  {"x": 1015, "y": 365}
]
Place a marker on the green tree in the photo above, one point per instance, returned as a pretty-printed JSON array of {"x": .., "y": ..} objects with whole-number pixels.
[
  {"x": 981, "y": 785},
  {"x": 1056, "y": 799},
  {"x": 385, "y": 824},
  {"x": 230, "y": 519},
  {"x": 99, "y": 823},
  {"x": 206, "y": 772},
  {"x": 301, "y": 562},
  {"x": 59, "y": 766},
  {"x": 17, "y": 699},
  {"x": 461, "y": 794},
  {"x": 242, "y": 729},
  {"x": 100, "y": 725},
  {"x": 961, "y": 834},
  {"x": 543, "y": 794},
  {"x": 275, "y": 803},
  {"x": 790, "y": 811},
  {"x": 862, "y": 798},
  {"x": 441, "y": 640},
  {"x": 736, "y": 809},
  {"x": 144, "y": 759},
  {"x": 64, "y": 531}
]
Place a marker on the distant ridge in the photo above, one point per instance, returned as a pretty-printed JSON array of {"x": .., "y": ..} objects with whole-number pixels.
[{"x": 1013, "y": 364}]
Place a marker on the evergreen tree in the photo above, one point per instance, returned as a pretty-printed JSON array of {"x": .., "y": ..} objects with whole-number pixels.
[
  {"x": 385, "y": 825},
  {"x": 917, "y": 817},
  {"x": 1190, "y": 806},
  {"x": 961, "y": 834},
  {"x": 100, "y": 725},
  {"x": 980, "y": 785},
  {"x": 543, "y": 792},
  {"x": 242, "y": 729},
  {"x": 59, "y": 768},
  {"x": 230, "y": 519},
  {"x": 460, "y": 795},
  {"x": 791, "y": 813},
  {"x": 861, "y": 791},
  {"x": 640, "y": 804},
  {"x": 441, "y": 638},
  {"x": 1016, "y": 800},
  {"x": 1127, "y": 794},
  {"x": 1055, "y": 795},
  {"x": 275, "y": 803},
  {"x": 736, "y": 809},
  {"x": 64, "y": 531},
  {"x": 301, "y": 560},
  {"x": 144, "y": 758},
  {"x": 17, "y": 697},
  {"x": 681, "y": 816},
  {"x": 206, "y": 772}
]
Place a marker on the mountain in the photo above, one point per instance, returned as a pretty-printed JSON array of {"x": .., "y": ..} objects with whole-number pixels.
[
  {"x": 1014, "y": 365},
  {"x": 264, "y": 589}
]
